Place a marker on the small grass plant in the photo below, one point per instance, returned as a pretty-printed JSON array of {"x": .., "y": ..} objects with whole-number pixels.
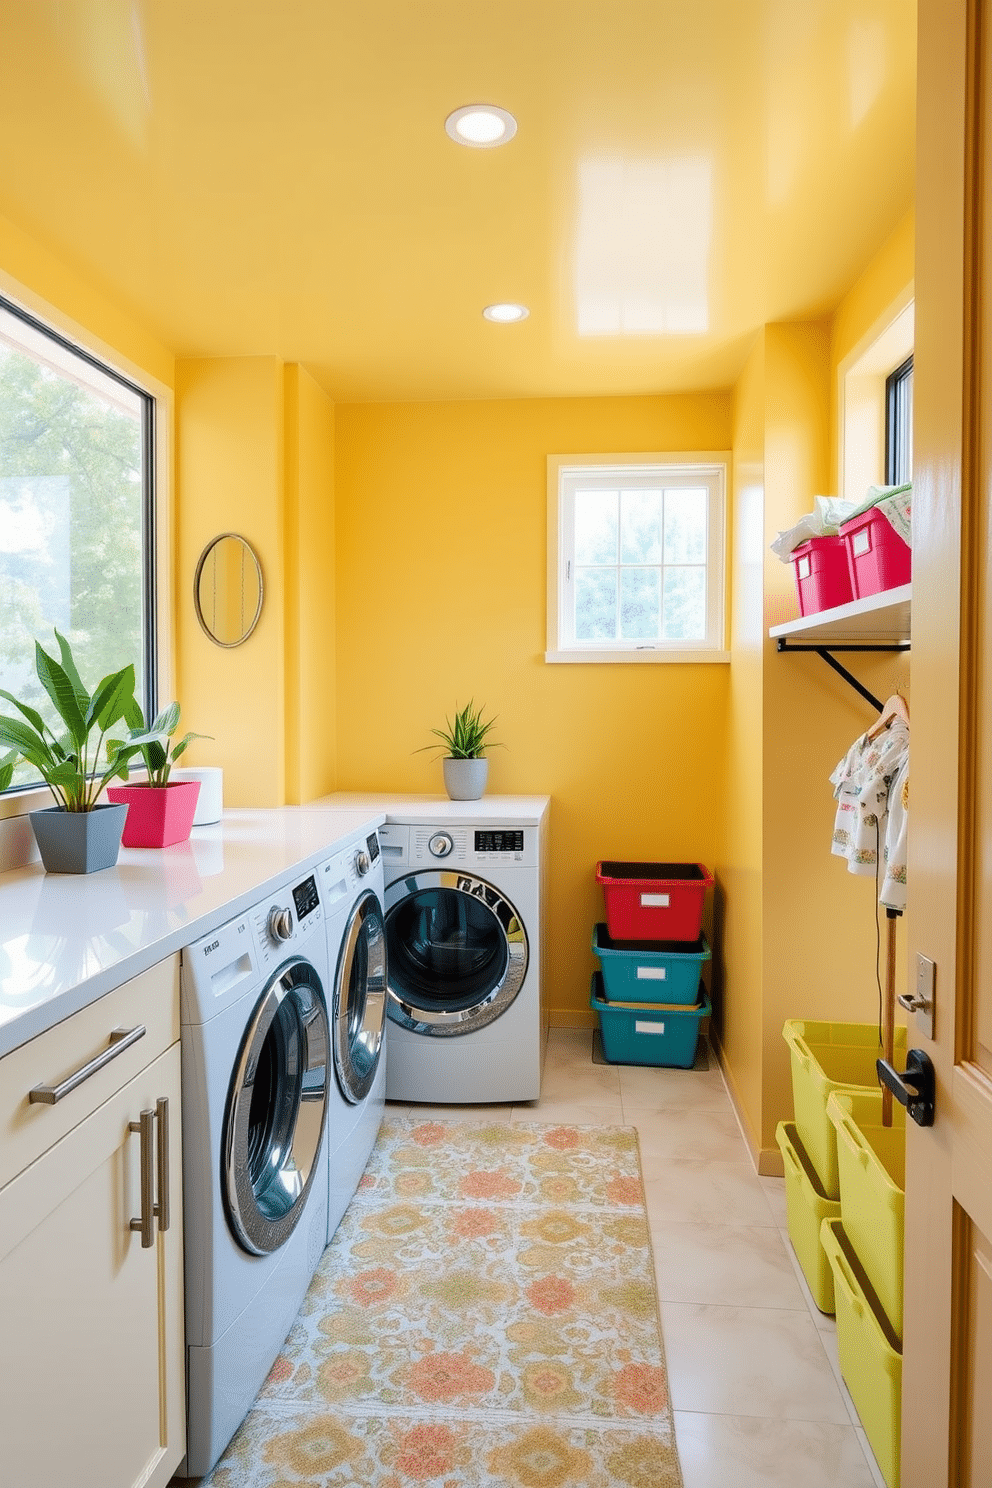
[{"x": 468, "y": 736}]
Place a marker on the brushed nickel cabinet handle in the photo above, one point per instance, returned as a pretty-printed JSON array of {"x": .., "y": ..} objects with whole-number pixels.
[
  {"x": 146, "y": 1224},
  {"x": 162, "y": 1207},
  {"x": 120, "y": 1039}
]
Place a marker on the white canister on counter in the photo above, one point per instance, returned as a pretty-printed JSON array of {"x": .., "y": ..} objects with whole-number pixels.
[{"x": 210, "y": 804}]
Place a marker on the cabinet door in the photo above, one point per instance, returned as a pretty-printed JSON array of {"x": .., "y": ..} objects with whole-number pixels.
[{"x": 91, "y": 1322}]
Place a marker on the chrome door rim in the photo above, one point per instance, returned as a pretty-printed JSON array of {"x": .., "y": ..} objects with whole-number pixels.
[
  {"x": 452, "y": 1022},
  {"x": 364, "y": 921},
  {"x": 293, "y": 1163}
]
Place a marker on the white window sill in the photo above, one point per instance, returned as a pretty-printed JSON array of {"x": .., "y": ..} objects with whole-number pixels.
[
  {"x": 28, "y": 798},
  {"x": 648, "y": 655},
  {"x": 17, "y": 844}
]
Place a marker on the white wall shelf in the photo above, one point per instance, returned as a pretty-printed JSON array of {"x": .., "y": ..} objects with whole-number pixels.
[
  {"x": 882, "y": 622},
  {"x": 879, "y": 620}
]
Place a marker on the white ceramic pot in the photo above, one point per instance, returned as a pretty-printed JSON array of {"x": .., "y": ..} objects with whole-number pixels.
[
  {"x": 465, "y": 779},
  {"x": 210, "y": 804}
]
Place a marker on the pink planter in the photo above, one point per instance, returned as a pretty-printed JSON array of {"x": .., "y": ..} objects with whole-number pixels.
[{"x": 157, "y": 815}]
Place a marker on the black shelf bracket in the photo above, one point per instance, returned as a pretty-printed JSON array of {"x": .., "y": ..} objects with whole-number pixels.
[{"x": 826, "y": 652}]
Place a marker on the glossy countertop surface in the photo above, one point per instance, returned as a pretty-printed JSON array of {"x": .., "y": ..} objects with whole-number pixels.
[{"x": 67, "y": 939}]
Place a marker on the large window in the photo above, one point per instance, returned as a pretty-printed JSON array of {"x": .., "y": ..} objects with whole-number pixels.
[
  {"x": 638, "y": 559},
  {"x": 76, "y": 514}
]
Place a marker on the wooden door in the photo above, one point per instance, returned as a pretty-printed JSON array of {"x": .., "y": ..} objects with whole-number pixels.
[{"x": 947, "y": 1369}]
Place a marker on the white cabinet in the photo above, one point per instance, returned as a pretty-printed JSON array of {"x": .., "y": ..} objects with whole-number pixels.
[{"x": 90, "y": 1312}]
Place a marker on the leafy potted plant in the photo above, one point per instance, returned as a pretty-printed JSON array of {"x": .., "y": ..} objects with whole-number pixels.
[
  {"x": 160, "y": 810},
  {"x": 464, "y": 763},
  {"x": 79, "y": 834}
]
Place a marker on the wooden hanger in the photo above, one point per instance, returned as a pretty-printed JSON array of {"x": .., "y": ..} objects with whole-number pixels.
[{"x": 893, "y": 708}]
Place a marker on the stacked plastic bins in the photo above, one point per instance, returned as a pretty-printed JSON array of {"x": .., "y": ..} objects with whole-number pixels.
[
  {"x": 864, "y": 1247},
  {"x": 843, "y": 1214},
  {"x": 648, "y": 993}
]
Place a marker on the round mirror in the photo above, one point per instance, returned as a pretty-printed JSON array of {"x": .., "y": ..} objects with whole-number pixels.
[{"x": 228, "y": 589}]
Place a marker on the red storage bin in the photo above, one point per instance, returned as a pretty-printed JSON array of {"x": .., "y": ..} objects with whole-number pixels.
[
  {"x": 822, "y": 572},
  {"x": 877, "y": 556},
  {"x": 654, "y": 901}
]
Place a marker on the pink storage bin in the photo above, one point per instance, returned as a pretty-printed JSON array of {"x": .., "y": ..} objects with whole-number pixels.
[
  {"x": 822, "y": 573},
  {"x": 877, "y": 556}
]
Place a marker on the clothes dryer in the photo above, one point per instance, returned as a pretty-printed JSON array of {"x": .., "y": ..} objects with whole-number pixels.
[
  {"x": 257, "y": 1091},
  {"x": 352, "y": 892},
  {"x": 463, "y": 935}
]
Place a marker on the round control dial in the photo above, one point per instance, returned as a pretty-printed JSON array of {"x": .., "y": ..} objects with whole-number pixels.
[
  {"x": 280, "y": 925},
  {"x": 362, "y": 863},
  {"x": 440, "y": 844}
]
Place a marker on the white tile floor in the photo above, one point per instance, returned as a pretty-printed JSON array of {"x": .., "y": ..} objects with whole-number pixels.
[{"x": 752, "y": 1364}]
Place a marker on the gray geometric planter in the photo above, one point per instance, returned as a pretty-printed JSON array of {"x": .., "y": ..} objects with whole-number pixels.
[
  {"x": 465, "y": 779},
  {"x": 79, "y": 841}
]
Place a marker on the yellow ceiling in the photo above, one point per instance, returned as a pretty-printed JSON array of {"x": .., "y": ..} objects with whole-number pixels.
[{"x": 273, "y": 177}]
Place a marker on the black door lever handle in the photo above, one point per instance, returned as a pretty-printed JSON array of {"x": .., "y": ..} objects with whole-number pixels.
[{"x": 914, "y": 1087}]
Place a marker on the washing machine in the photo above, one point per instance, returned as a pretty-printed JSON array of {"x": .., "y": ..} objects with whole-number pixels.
[
  {"x": 463, "y": 935},
  {"x": 351, "y": 888},
  {"x": 258, "y": 1089}
]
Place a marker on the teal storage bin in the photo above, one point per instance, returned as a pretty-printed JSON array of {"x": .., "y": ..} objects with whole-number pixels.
[
  {"x": 661, "y": 1034},
  {"x": 650, "y": 970}
]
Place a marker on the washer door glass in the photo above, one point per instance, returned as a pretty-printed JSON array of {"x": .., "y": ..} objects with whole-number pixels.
[
  {"x": 360, "y": 999},
  {"x": 457, "y": 952},
  {"x": 276, "y": 1110}
]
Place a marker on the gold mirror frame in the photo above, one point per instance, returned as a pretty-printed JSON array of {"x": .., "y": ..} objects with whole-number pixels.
[{"x": 228, "y": 583}]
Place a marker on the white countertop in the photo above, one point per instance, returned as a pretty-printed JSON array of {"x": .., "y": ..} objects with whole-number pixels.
[
  {"x": 496, "y": 810},
  {"x": 67, "y": 939}
]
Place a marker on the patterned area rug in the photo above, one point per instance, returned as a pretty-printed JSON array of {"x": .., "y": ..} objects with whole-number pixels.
[{"x": 486, "y": 1315}]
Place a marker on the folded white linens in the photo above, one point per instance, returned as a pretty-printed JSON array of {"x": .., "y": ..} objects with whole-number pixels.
[{"x": 831, "y": 512}]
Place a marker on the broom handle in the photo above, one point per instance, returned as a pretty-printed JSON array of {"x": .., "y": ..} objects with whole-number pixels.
[{"x": 889, "y": 1008}]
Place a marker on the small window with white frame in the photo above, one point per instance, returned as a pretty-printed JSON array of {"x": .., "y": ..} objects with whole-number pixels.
[{"x": 636, "y": 558}]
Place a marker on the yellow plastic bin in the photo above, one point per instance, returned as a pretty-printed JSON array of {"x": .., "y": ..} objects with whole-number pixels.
[
  {"x": 807, "y": 1207},
  {"x": 871, "y": 1160},
  {"x": 825, "y": 1057},
  {"x": 870, "y": 1360}
]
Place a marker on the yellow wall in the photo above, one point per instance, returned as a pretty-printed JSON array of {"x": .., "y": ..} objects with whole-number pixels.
[
  {"x": 231, "y": 477},
  {"x": 799, "y": 931},
  {"x": 883, "y": 280},
  {"x": 256, "y": 456},
  {"x": 818, "y": 920},
  {"x": 886, "y": 277},
  {"x": 441, "y": 541},
  {"x": 739, "y": 867},
  {"x": 35, "y": 278},
  {"x": 311, "y": 675}
]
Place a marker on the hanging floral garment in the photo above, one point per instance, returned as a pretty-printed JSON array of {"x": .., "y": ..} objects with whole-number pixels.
[{"x": 870, "y": 826}]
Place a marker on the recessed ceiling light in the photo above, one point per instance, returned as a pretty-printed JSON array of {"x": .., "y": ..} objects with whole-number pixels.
[
  {"x": 481, "y": 125},
  {"x": 506, "y": 313}
]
